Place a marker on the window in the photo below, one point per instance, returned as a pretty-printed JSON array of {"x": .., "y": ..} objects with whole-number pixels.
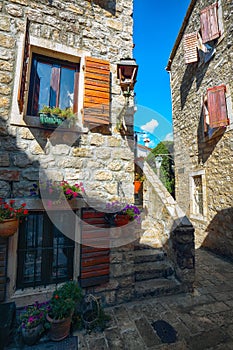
[
  {"x": 198, "y": 208},
  {"x": 215, "y": 109},
  {"x": 52, "y": 83},
  {"x": 45, "y": 255},
  {"x": 50, "y": 75},
  {"x": 199, "y": 45},
  {"x": 209, "y": 23},
  {"x": 198, "y": 195}
]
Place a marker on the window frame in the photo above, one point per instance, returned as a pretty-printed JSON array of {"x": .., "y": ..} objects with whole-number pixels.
[
  {"x": 54, "y": 62},
  {"x": 193, "y": 213},
  {"x": 51, "y": 49}
]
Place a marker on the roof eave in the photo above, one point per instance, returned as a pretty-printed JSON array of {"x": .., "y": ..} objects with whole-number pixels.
[{"x": 180, "y": 34}]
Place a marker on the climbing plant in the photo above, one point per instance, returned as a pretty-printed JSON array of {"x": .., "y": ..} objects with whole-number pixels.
[{"x": 166, "y": 174}]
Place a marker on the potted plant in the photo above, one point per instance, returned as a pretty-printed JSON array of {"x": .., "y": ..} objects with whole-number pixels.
[
  {"x": 63, "y": 304},
  {"x": 9, "y": 217},
  {"x": 55, "y": 116},
  {"x": 33, "y": 319},
  {"x": 138, "y": 180},
  {"x": 120, "y": 214},
  {"x": 54, "y": 190}
]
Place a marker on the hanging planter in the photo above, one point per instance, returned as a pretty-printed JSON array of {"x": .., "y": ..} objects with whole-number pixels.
[
  {"x": 8, "y": 227},
  {"x": 91, "y": 311}
]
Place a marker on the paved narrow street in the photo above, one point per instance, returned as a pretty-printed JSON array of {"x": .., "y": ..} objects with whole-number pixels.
[
  {"x": 202, "y": 320},
  {"x": 198, "y": 321}
]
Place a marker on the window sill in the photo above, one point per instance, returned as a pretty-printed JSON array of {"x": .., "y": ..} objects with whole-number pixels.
[
  {"x": 34, "y": 123},
  {"x": 36, "y": 204},
  {"x": 198, "y": 217}
]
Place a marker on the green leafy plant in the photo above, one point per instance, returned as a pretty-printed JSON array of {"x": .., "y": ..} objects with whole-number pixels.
[
  {"x": 139, "y": 177},
  {"x": 64, "y": 300},
  {"x": 56, "y": 110},
  {"x": 45, "y": 109},
  {"x": 9, "y": 211},
  {"x": 164, "y": 149},
  {"x": 118, "y": 208}
]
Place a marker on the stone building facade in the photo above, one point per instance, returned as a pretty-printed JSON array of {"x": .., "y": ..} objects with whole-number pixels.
[
  {"x": 84, "y": 40},
  {"x": 200, "y": 67}
]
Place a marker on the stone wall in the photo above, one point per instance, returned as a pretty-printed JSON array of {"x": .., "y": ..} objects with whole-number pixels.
[
  {"x": 189, "y": 83},
  {"x": 103, "y": 161},
  {"x": 166, "y": 226},
  {"x": 100, "y": 29}
]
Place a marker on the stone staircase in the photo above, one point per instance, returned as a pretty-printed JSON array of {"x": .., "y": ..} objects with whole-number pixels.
[{"x": 154, "y": 274}]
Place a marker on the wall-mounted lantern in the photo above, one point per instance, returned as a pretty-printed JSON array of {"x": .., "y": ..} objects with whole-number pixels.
[{"x": 127, "y": 73}]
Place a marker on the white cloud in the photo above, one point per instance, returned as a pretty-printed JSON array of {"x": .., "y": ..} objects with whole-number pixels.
[
  {"x": 169, "y": 137},
  {"x": 150, "y": 126}
]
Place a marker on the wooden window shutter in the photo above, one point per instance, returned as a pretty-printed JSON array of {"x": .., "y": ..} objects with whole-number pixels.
[
  {"x": 190, "y": 48},
  {"x": 209, "y": 23},
  {"x": 216, "y": 102},
  {"x": 96, "y": 106},
  {"x": 95, "y": 251},
  {"x": 22, "y": 83}
]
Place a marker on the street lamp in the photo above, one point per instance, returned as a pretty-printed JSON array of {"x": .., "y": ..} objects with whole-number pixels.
[
  {"x": 158, "y": 163},
  {"x": 127, "y": 70}
]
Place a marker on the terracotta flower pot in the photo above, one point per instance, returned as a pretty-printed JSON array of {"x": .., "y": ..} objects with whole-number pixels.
[
  {"x": 8, "y": 227},
  {"x": 121, "y": 219},
  {"x": 137, "y": 186},
  {"x": 59, "y": 329}
]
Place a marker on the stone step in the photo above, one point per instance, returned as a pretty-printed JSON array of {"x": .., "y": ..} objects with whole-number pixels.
[
  {"x": 151, "y": 270},
  {"x": 148, "y": 255},
  {"x": 157, "y": 287}
]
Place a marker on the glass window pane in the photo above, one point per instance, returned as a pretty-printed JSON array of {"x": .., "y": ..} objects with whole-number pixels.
[
  {"x": 43, "y": 77},
  {"x": 67, "y": 88}
]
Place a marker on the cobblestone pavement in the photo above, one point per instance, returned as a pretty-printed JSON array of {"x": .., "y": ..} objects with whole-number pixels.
[{"x": 202, "y": 320}]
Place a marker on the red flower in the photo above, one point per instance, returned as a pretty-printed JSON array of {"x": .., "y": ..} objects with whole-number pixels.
[{"x": 56, "y": 296}]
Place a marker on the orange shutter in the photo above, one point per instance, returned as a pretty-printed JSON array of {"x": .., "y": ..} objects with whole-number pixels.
[
  {"x": 95, "y": 251},
  {"x": 24, "y": 68},
  {"x": 209, "y": 23},
  {"x": 190, "y": 48},
  {"x": 96, "y": 91},
  {"x": 217, "y": 108}
]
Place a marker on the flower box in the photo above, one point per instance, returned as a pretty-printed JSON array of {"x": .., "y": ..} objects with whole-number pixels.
[{"x": 48, "y": 119}]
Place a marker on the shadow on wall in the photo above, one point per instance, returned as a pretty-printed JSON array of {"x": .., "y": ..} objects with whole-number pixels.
[
  {"x": 219, "y": 237},
  {"x": 109, "y": 6},
  {"x": 206, "y": 145},
  {"x": 193, "y": 71}
]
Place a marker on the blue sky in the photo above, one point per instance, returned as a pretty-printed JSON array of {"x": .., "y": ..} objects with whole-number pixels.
[{"x": 156, "y": 26}]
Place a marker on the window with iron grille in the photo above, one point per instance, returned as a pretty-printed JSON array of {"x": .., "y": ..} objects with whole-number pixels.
[{"x": 45, "y": 255}]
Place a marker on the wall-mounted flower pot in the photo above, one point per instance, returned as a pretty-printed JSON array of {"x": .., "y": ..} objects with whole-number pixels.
[
  {"x": 8, "y": 227},
  {"x": 51, "y": 120}
]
